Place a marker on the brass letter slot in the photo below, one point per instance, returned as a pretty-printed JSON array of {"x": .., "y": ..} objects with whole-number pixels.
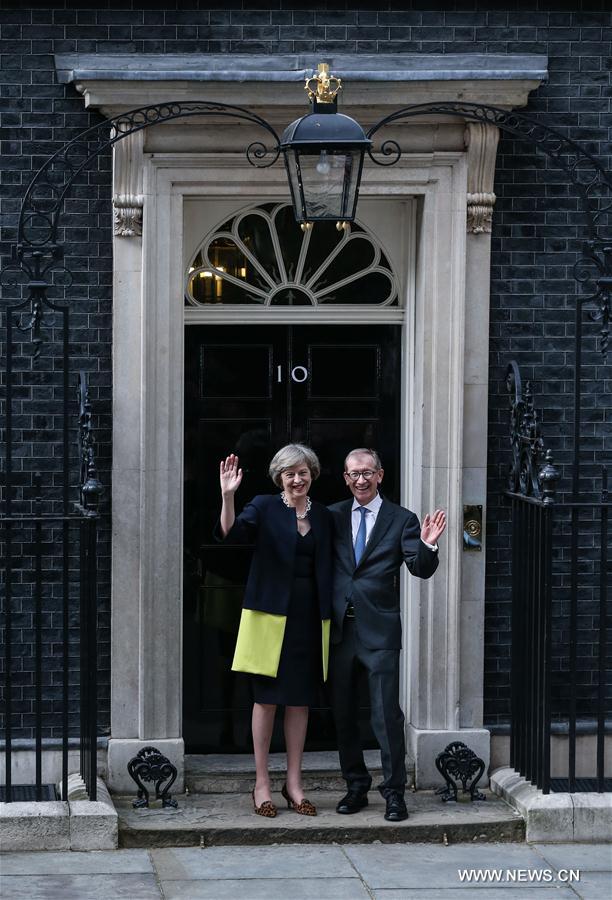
[{"x": 472, "y": 528}]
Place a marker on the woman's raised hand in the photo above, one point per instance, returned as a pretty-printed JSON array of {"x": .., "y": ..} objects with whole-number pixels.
[{"x": 230, "y": 475}]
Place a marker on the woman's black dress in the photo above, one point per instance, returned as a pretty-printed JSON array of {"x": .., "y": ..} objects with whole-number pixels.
[{"x": 300, "y": 668}]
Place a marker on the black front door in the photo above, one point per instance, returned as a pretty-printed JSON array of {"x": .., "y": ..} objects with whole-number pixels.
[{"x": 250, "y": 390}]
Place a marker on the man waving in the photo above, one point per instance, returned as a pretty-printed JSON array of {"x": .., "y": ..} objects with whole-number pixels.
[{"x": 372, "y": 538}]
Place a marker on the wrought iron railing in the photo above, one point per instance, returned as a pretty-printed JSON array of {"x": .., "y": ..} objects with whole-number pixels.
[
  {"x": 88, "y": 633},
  {"x": 557, "y": 687},
  {"x": 50, "y": 588}
]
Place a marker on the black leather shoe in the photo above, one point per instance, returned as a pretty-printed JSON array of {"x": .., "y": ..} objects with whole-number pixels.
[
  {"x": 396, "y": 808},
  {"x": 352, "y": 802}
]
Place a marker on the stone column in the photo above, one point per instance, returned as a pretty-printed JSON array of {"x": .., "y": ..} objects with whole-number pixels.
[
  {"x": 444, "y": 624},
  {"x": 481, "y": 142},
  {"x": 147, "y": 493}
]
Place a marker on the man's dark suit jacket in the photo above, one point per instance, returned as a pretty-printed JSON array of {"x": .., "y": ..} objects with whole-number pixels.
[{"x": 372, "y": 586}]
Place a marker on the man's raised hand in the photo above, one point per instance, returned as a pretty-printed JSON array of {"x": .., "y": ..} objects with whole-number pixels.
[{"x": 433, "y": 526}]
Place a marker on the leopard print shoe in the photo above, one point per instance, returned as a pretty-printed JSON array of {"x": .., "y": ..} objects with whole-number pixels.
[
  {"x": 267, "y": 808},
  {"x": 305, "y": 808}
]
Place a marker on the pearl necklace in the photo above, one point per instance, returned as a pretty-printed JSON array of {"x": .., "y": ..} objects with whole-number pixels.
[{"x": 297, "y": 515}]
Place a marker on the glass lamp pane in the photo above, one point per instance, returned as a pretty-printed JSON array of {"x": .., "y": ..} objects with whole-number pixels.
[
  {"x": 293, "y": 172},
  {"x": 325, "y": 179},
  {"x": 352, "y": 186}
]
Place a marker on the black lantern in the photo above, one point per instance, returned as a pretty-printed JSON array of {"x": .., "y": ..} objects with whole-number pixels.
[{"x": 324, "y": 156}]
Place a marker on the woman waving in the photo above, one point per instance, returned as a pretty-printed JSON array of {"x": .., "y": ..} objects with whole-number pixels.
[{"x": 283, "y": 640}]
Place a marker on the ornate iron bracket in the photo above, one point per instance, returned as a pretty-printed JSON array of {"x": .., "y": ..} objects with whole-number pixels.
[
  {"x": 44, "y": 198},
  {"x": 532, "y": 472},
  {"x": 38, "y": 251},
  {"x": 457, "y": 763},
  {"x": 151, "y": 766},
  {"x": 37, "y": 256},
  {"x": 593, "y": 183}
]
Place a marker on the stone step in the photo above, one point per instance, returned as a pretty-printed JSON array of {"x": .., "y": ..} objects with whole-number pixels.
[
  {"x": 206, "y": 820},
  {"x": 235, "y": 774}
]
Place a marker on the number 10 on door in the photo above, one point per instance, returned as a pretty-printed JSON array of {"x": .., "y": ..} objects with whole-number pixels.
[{"x": 299, "y": 374}]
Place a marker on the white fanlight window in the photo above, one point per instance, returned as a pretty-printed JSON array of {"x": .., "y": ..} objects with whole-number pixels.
[{"x": 261, "y": 256}]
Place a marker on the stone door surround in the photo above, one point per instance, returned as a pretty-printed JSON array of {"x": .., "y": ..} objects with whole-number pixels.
[{"x": 449, "y": 167}]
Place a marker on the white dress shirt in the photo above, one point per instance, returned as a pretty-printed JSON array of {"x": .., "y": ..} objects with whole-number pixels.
[
  {"x": 373, "y": 508},
  {"x": 370, "y": 517}
]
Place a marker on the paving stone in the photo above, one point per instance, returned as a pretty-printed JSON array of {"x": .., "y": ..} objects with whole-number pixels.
[
  {"x": 96, "y": 862},
  {"x": 482, "y": 892},
  {"x": 267, "y": 889},
  {"x": 79, "y": 887},
  {"x": 382, "y": 872},
  {"x": 413, "y": 866},
  {"x": 586, "y": 857},
  {"x": 236, "y": 862},
  {"x": 594, "y": 886}
]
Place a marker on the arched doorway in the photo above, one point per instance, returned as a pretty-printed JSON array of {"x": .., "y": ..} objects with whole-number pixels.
[{"x": 250, "y": 389}]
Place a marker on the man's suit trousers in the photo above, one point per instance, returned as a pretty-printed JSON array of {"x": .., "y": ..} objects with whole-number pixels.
[{"x": 387, "y": 718}]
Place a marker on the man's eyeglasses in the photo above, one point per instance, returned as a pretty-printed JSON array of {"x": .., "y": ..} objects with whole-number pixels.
[{"x": 367, "y": 474}]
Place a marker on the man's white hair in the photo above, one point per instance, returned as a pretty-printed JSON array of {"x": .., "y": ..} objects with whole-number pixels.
[{"x": 366, "y": 450}]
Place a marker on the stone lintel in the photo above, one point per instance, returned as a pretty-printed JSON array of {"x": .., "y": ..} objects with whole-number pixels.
[
  {"x": 115, "y": 83},
  {"x": 284, "y": 101},
  {"x": 296, "y": 67}
]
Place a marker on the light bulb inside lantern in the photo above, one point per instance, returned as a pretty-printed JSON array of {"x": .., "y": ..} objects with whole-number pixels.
[{"x": 323, "y": 167}]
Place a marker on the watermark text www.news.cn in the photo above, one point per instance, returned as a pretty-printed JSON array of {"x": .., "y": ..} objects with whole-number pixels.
[{"x": 529, "y": 876}]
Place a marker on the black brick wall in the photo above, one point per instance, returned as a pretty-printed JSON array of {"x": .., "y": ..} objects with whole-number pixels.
[{"x": 536, "y": 227}]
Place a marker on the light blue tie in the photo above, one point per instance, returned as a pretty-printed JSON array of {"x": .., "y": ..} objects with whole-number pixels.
[{"x": 360, "y": 540}]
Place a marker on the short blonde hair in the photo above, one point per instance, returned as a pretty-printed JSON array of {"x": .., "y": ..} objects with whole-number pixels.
[{"x": 293, "y": 455}]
